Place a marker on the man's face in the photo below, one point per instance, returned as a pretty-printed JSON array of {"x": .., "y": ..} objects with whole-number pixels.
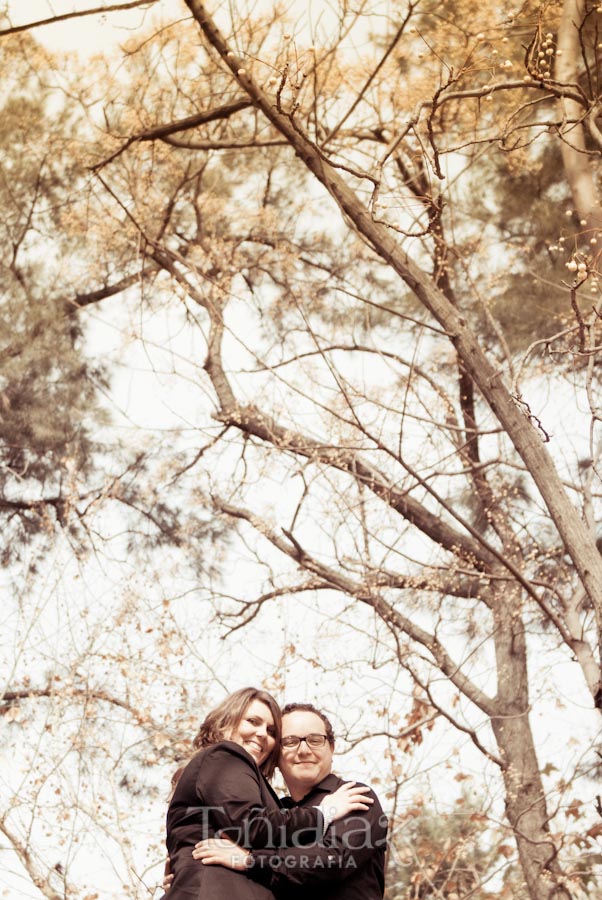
[{"x": 304, "y": 766}]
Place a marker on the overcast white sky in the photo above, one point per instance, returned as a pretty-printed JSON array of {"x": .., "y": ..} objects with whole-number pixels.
[{"x": 91, "y": 33}]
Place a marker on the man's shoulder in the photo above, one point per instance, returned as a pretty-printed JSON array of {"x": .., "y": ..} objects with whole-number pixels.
[
  {"x": 332, "y": 782},
  {"x": 327, "y": 785}
]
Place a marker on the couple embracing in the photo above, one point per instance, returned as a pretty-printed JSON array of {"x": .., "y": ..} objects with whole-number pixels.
[{"x": 229, "y": 837}]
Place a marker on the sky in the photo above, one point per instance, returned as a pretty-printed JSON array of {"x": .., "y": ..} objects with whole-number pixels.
[
  {"x": 103, "y": 32},
  {"x": 89, "y": 34}
]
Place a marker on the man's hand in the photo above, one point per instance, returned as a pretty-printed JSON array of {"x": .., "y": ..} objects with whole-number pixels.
[
  {"x": 168, "y": 876},
  {"x": 222, "y": 852},
  {"x": 346, "y": 799}
]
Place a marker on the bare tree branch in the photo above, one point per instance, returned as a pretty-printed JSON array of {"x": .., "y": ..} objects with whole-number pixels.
[
  {"x": 525, "y": 438},
  {"x": 162, "y": 132},
  {"x": 365, "y": 593}
]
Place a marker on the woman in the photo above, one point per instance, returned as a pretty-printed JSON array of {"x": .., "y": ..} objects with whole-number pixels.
[{"x": 223, "y": 791}]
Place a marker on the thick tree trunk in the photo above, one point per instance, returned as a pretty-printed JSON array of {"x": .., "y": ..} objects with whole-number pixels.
[
  {"x": 526, "y": 807},
  {"x": 576, "y": 161}
]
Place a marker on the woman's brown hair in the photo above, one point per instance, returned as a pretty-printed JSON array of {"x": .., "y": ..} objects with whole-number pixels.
[{"x": 225, "y": 717}]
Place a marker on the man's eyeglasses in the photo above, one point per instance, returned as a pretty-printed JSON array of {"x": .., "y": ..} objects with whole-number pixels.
[{"x": 291, "y": 741}]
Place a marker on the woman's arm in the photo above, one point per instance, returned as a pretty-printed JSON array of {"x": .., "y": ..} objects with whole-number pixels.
[
  {"x": 346, "y": 849},
  {"x": 233, "y": 796},
  {"x": 236, "y": 802}
]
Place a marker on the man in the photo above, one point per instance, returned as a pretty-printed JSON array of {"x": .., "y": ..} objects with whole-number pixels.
[{"x": 349, "y": 862}]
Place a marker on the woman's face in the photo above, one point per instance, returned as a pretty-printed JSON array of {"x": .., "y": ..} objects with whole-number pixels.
[{"x": 255, "y": 732}]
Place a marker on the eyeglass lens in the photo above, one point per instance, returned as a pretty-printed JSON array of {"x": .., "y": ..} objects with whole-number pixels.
[{"x": 312, "y": 740}]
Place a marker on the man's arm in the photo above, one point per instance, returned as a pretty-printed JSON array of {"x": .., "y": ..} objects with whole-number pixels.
[{"x": 345, "y": 848}]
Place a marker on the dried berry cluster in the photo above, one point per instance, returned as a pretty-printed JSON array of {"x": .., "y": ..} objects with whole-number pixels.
[{"x": 541, "y": 57}]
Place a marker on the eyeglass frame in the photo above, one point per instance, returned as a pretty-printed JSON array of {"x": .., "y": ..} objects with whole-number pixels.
[{"x": 313, "y": 734}]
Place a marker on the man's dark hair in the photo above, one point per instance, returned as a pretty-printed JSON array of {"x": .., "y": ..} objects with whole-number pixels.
[{"x": 309, "y": 707}]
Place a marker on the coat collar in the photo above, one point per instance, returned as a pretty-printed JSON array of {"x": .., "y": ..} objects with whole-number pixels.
[{"x": 326, "y": 786}]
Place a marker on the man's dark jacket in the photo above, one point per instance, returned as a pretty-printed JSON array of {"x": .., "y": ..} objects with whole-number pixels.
[{"x": 347, "y": 864}]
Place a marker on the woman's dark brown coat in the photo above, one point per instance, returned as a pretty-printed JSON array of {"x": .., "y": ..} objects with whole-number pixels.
[{"x": 222, "y": 792}]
